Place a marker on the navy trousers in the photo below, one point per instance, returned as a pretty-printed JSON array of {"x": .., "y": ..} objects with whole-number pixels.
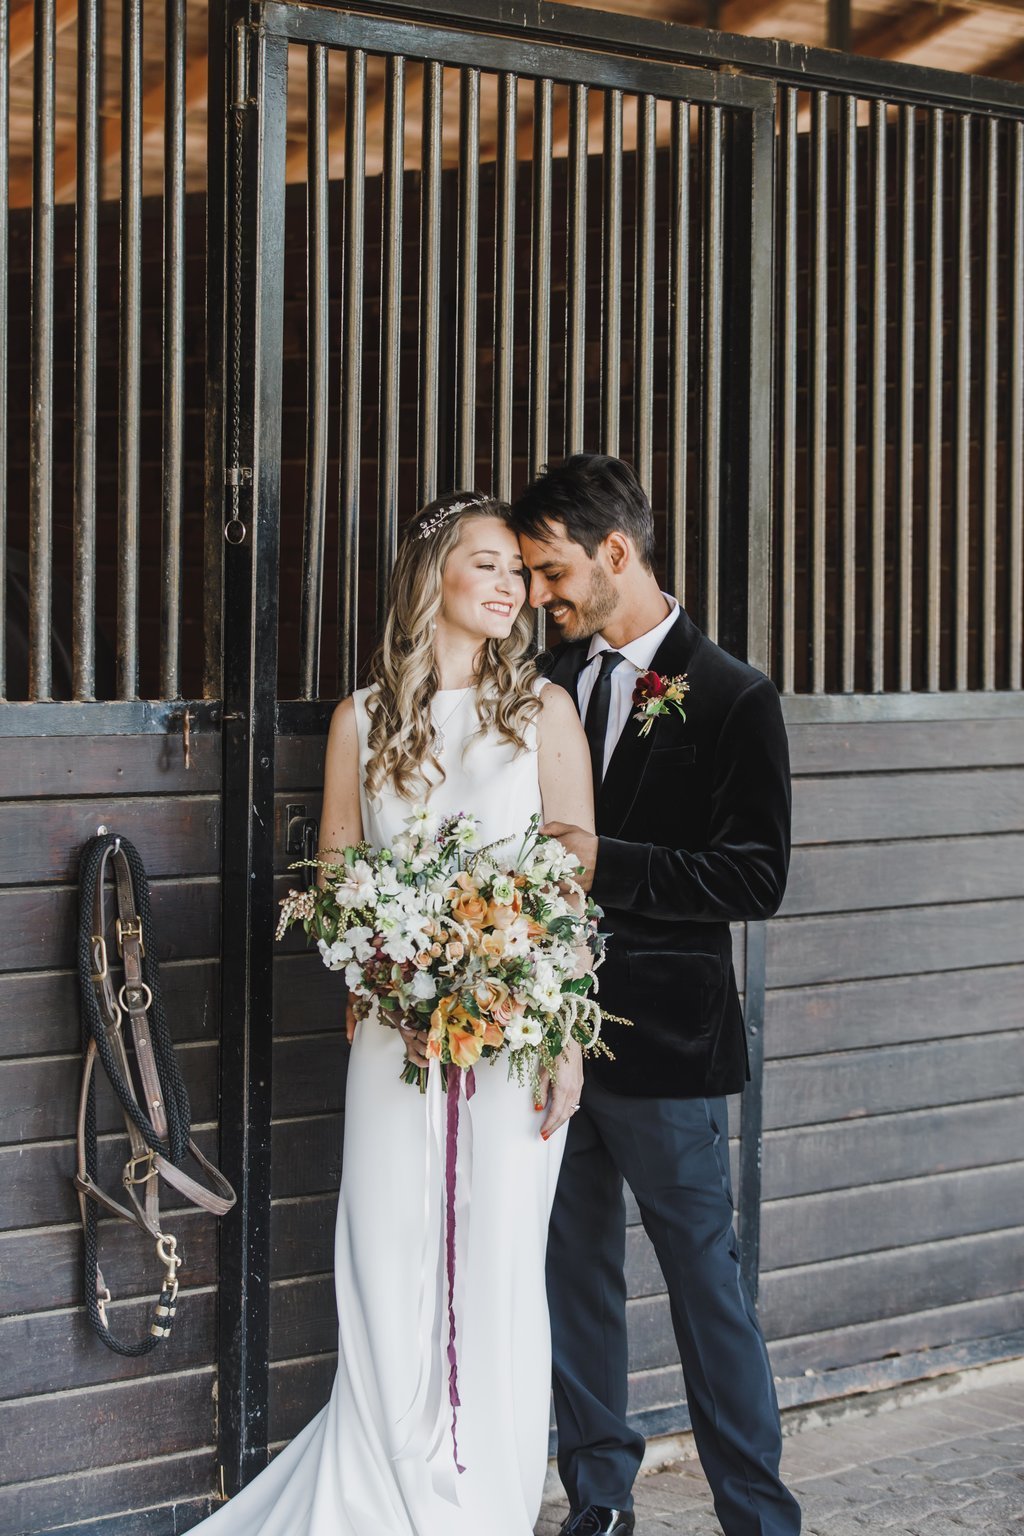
[{"x": 674, "y": 1154}]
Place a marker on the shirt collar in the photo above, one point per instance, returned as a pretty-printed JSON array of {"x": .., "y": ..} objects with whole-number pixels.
[{"x": 641, "y": 651}]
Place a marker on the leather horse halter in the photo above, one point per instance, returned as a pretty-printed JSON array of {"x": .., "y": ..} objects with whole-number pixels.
[{"x": 148, "y": 1083}]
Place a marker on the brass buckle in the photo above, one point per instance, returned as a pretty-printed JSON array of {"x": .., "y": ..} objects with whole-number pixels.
[
  {"x": 131, "y": 930},
  {"x": 131, "y": 1177},
  {"x": 99, "y": 953}
]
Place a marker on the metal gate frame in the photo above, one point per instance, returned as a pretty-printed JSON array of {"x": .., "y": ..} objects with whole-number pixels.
[{"x": 255, "y": 209}]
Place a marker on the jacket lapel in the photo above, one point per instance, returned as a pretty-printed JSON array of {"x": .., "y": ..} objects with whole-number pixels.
[{"x": 629, "y": 759}]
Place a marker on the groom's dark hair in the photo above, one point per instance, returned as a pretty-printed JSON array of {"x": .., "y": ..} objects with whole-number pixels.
[{"x": 591, "y": 495}]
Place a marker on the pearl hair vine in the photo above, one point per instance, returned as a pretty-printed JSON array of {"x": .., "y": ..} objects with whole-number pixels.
[{"x": 438, "y": 519}]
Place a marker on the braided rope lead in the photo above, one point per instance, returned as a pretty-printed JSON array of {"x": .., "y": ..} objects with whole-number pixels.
[{"x": 172, "y": 1083}]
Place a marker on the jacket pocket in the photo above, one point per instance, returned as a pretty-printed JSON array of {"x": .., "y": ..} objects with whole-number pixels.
[
  {"x": 662, "y": 756},
  {"x": 677, "y": 991}
]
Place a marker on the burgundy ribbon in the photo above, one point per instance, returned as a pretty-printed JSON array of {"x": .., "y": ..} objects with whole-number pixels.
[{"x": 451, "y": 1156}]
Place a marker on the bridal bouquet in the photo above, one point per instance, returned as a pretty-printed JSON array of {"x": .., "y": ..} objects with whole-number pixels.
[{"x": 490, "y": 955}]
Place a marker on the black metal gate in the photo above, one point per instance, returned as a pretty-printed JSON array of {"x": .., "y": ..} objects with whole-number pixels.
[{"x": 460, "y": 327}]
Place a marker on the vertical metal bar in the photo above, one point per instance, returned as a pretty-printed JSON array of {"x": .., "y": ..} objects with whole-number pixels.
[
  {"x": 905, "y": 402},
  {"x": 877, "y": 374},
  {"x": 962, "y": 410},
  {"x": 540, "y": 381},
  {"x": 611, "y": 255},
  {"x": 848, "y": 396},
  {"x": 221, "y": 149},
  {"x": 430, "y": 281},
  {"x": 679, "y": 341},
  {"x": 711, "y": 131},
  {"x": 40, "y": 549},
  {"x": 818, "y": 391},
  {"x": 390, "y": 328},
  {"x": 1015, "y": 419},
  {"x": 540, "y": 316},
  {"x": 174, "y": 350},
  {"x": 317, "y": 346},
  {"x": 469, "y": 234},
  {"x": 933, "y": 495},
  {"x": 504, "y": 283},
  {"x": 351, "y": 367},
  {"x": 87, "y": 197},
  {"x": 787, "y": 393},
  {"x": 250, "y": 707},
  {"x": 5, "y": 152},
  {"x": 130, "y": 361},
  {"x": 752, "y": 1109},
  {"x": 643, "y": 393},
  {"x": 989, "y": 409},
  {"x": 576, "y": 268}
]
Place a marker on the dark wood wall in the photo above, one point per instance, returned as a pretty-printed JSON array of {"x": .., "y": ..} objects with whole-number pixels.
[{"x": 87, "y": 1433}]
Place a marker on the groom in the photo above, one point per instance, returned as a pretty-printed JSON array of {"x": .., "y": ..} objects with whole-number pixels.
[{"x": 693, "y": 822}]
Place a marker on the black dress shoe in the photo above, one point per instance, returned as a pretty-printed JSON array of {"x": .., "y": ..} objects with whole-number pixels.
[{"x": 596, "y": 1520}]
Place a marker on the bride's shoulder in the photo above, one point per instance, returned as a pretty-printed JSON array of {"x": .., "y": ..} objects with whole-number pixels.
[
  {"x": 343, "y": 733},
  {"x": 558, "y": 711}
]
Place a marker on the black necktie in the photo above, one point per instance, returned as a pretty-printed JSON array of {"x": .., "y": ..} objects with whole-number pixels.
[{"x": 596, "y": 723}]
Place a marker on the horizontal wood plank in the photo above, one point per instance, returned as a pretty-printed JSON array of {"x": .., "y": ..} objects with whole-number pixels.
[
  {"x": 29, "y": 1507},
  {"x": 40, "y": 1010},
  {"x": 894, "y": 1215},
  {"x": 299, "y": 762},
  {"x": 155, "y": 1416},
  {"x": 42, "y": 840},
  {"x": 881, "y": 1338},
  {"x": 42, "y": 1268},
  {"x": 810, "y": 1159},
  {"x": 872, "y": 807},
  {"x": 310, "y": 1073},
  {"x": 901, "y": 745},
  {"x": 302, "y": 1235},
  {"x": 894, "y": 942},
  {"x": 298, "y": 1390},
  {"x": 47, "y": 1352},
  {"x": 891, "y": 1010},
  {"x": 858, "y": 877},
  {"x": 816, "y": 1297},
  {"x": 39, "y": 1095},
  {"x": 41, "y": 923},
  {"x": 110, "y": 766},
  {"x": 843, "y": 1085},
  {"x": 306, "y": 1155}
]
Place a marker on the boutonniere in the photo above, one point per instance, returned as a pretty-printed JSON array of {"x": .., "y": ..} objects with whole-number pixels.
[{"x": 655, "y": 695}]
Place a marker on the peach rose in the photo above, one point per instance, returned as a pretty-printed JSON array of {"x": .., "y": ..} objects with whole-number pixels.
[
  {"x": 470, "y": 910},
  {"x": 493, "y": 943},
  {"x": 455, "y": 950},
  {"x": 503, "y": 915}
]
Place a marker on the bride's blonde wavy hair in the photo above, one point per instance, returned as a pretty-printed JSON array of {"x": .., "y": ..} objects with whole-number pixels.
[{"x": 403, "y": 672}]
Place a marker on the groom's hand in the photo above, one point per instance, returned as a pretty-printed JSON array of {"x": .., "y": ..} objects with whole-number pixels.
[{"x": 581, "y": 844}]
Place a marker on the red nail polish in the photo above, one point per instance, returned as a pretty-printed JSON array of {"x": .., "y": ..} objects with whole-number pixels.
[{"x": 544, "y": 1135}]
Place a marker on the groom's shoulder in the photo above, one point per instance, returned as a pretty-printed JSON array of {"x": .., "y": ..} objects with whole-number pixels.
[
  {"x": 714, "y": 670},
  {"x": 563, "y": 658}
]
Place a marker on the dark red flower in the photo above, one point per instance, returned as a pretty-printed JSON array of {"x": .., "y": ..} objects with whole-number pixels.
[{"x": 650, "y": 685}]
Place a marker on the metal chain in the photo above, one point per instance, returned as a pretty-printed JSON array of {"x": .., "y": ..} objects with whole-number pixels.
[{"x": 234, "y": 528}]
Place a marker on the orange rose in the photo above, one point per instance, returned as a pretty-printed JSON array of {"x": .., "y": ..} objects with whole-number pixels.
[{"x": 493, "y": 943}]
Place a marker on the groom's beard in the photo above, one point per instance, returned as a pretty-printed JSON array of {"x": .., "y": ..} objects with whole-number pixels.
[{"x": 583, "y": 619}]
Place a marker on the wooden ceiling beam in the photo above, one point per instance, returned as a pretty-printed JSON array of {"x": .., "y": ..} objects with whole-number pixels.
[
  {"x": 23, "y": 26},
  {"x": 894, "y": 37},
  {"x": 1005, "y": 66}
]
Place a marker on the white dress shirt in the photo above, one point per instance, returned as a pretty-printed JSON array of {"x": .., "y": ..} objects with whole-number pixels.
[{"x": 639, "y": 654}]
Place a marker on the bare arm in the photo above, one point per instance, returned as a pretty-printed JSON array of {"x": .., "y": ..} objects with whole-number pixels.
[
  {"x": 566, "y": 785},
  {"x": 567, "y": 794},
  {"x": 341, "y": 820}
]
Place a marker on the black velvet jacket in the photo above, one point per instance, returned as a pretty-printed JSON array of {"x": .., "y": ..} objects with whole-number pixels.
[{"x": 694, "y": 826}]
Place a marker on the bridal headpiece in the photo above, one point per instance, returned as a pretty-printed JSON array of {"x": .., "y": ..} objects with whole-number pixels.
[{"x": 438, "y": 519}]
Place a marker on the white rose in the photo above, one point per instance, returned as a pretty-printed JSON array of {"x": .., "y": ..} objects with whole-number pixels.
[
  {"x": 423, "y": 985},
  {"x": 502, "y": 891}
]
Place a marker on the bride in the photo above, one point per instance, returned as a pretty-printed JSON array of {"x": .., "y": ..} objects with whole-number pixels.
[{"x": 456, "y": 716}]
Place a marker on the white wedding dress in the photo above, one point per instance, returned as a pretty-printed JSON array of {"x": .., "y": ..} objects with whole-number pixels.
[{"x": 379, "y": 1459}]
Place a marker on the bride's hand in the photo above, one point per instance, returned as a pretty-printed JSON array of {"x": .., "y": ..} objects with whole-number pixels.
[
  {"x": 563, "y": 1096},
  {"x": 350, "y": 1021},
  {"x": 415, "y": 1044}
]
